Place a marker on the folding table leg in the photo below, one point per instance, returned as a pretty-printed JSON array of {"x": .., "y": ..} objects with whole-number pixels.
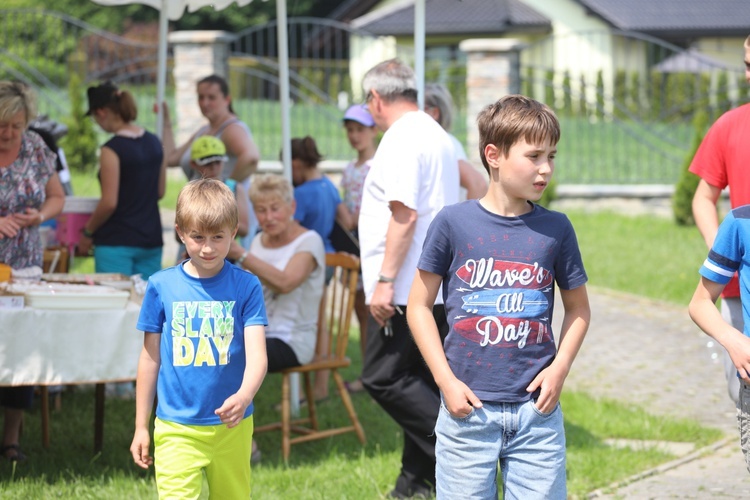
[
  {"x": 99, "y": 418},
  {"x": 45, "y": 416}
]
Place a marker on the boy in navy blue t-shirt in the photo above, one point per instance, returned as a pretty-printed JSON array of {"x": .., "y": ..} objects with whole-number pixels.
[{"x": 498, "y": 260}]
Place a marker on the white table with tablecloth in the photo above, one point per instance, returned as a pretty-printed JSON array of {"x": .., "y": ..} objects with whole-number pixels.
[{"x": 73, "y": 346}]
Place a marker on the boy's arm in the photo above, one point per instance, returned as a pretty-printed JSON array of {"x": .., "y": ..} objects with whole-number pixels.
[
  {"x": 574, "y": 326},
  {"x": 145, "y": 391},
  {"x": 704, "y": 211},
  {"x": 256, "y": 363},
  {"x": 705, "y": 314},
  {"x": 459, "y": 399}
]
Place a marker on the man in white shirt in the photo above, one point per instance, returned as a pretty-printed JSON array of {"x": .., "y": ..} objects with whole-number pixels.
[{"x": 414, "y": 174}]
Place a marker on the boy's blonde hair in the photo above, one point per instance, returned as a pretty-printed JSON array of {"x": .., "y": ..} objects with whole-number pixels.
[
  {"x": 206, "y": 205},
  {"x": 516, "y": 117},
  {"x": 267, "y": 186}
]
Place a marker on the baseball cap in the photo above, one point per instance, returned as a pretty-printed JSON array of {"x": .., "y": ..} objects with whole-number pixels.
[
  {"x": 100, "y": 95},
  {"x": 207, "y": 149},
  {"x": 358, "y": 113}
]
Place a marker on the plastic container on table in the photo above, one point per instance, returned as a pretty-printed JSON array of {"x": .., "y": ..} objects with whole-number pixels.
[{"x": 75, "y": 213}]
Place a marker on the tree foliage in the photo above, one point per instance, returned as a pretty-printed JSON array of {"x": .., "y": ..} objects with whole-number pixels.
[
  {"x": 682, "y": 202},
  {"x": 116, "y": 19},
  {"x": 80, "y": 143}
]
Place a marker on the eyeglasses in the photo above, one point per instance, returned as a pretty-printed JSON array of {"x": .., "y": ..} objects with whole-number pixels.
[{"x": 369, "y": 97}]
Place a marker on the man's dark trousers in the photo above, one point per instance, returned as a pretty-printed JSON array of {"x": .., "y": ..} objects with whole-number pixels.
[{"x": 397, "y": 377}]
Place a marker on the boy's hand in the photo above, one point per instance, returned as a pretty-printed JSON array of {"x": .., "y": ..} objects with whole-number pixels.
[
  {"x": 232, "y": 411},
  {"x": 738, "y": 348},
  {"x": 139, "y": 449},
  {"x": 459, "y": 399},
  {"x": 551, "y": 381}
]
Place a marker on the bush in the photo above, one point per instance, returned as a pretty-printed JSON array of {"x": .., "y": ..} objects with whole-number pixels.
[
  {"x": 682, "y": 202},
  {"x": 80, "y": 143}
]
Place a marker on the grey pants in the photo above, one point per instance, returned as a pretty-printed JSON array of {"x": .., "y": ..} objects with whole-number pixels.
[{"x": 731, "y": 311}]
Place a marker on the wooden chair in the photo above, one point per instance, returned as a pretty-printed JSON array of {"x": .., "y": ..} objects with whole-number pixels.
[{"x": 338, "y": 307}]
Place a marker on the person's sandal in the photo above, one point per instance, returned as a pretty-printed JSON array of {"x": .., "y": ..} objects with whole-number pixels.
[
  {"x": 13, "y": 453},
  {"x": 354, "y": 386}
]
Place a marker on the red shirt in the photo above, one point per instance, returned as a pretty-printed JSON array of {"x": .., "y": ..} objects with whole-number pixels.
[{"x": 723, "y": 159}]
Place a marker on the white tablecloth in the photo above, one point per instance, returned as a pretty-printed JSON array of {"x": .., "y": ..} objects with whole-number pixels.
[{"x": 50, "y": 347}]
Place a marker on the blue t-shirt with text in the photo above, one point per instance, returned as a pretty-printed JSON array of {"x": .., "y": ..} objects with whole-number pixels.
[
  {"x": 202, "y": 345},
  {"x": 499, "y": 275}
]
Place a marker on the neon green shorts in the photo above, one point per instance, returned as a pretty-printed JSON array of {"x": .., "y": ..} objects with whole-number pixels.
[{"x": 183, "y": 452}]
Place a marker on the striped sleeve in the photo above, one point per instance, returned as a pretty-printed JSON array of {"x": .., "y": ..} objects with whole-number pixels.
[{"x": 724, "y": 258}]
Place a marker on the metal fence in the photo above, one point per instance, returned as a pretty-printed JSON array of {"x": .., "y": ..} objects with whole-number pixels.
[
  {"x": 626, "y": 119},
  {"x": 630, "y": 118}
]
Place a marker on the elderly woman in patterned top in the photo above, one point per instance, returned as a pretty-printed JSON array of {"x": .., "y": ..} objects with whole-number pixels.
[{"x": 30, "y": 193}]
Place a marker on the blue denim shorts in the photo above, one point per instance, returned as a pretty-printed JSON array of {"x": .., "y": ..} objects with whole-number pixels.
[{"x": 528, "y": 445}]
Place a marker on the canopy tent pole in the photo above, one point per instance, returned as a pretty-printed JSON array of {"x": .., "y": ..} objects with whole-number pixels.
[
  {"x": 161, "y": 68},
  {"x": 419, "y": 48},
  {"x": 286, "y": 131}
]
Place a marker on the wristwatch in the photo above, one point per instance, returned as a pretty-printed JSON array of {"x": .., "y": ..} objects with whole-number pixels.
[{"x": 385, "y": 279}]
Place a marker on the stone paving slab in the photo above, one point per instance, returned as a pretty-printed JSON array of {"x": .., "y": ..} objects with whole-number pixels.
[{"x": 651, "y": 354}]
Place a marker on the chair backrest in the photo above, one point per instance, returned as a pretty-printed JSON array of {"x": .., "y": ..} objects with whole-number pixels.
[{"x": 339, "y": 301}]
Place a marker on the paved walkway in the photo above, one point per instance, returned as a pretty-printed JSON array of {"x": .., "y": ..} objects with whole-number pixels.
[{"x": 651, "y": 354}]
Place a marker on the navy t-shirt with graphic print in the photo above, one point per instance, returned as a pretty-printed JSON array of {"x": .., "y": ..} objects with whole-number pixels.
[{"x": 499, "y": 275}]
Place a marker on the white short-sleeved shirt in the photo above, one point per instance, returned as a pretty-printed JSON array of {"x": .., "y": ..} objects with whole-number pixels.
[
  {"x": 293, "y": 316},
  {"x": 416, "y": 165}
]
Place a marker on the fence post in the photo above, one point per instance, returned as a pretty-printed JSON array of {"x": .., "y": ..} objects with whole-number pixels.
[
  {"x": 492, "y": 71},
  {"x": 197, "y": 54}
]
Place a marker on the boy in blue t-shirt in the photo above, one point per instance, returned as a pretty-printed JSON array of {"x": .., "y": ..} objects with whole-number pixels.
[
  {"x": 729, "y": 254},
  {"x": 203, "y": 356},
  {"x": 498, "y": 260}
]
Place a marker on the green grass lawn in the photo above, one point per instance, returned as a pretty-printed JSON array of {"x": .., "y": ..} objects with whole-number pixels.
[
  {"x": 642, "y": 255},
  {"x": 332, "y": 468}
]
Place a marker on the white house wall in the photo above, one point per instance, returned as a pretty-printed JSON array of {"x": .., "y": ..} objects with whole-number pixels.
[
  {"x": 366, "y": 52},
  {"x": 575, "y": 48},
  {"x": 727, "y": 50}
]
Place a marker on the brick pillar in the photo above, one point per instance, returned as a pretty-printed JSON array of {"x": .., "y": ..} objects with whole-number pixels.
[
  {"x": 197, "y": 54},
  {"x": 492, "y": 71}
]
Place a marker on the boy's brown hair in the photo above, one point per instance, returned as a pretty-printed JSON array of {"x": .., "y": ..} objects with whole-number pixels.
[
  {"x": 206, "y": 205},
  {"x": 512, "y": 118}
]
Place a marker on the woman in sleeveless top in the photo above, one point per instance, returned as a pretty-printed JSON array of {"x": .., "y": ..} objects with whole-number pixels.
[
  {"x": 216, "y": 105},
  {"x": 125, "y": 227},
  {"x": 242, "y": 153}
]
